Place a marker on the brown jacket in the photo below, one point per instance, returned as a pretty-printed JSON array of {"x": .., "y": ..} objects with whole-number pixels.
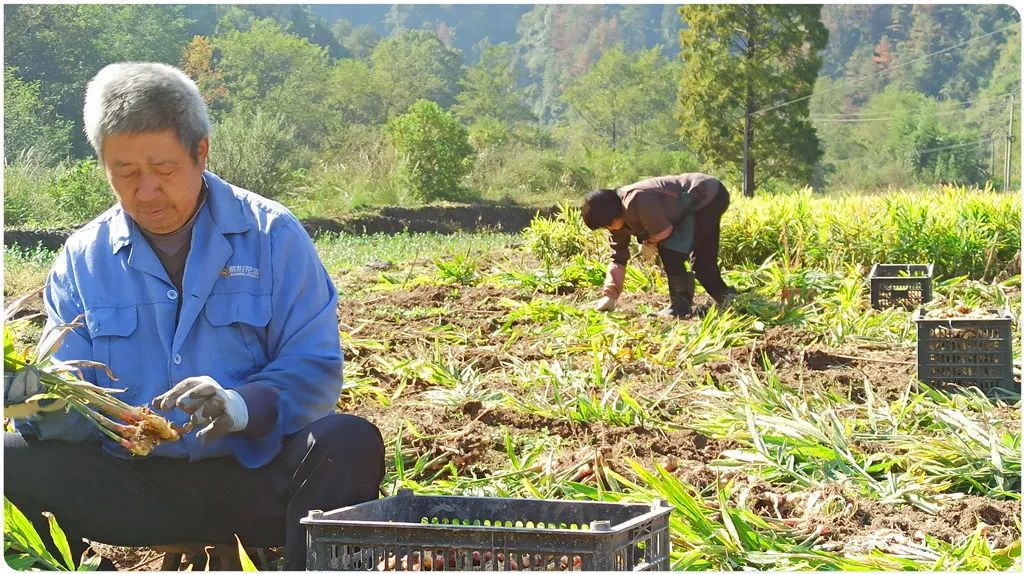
[{"x": 652, "y": 207}]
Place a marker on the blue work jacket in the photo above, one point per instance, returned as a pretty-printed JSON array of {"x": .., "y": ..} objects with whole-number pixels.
[{"x": 258, "y": 314}]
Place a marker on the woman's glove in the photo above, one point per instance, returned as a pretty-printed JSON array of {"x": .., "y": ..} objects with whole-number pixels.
[{"x": 606, "y": 303}]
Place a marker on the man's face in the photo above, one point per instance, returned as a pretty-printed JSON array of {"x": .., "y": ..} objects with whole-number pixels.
[
  {"x": 154, "y": 177},
  {"x": 616, "y": 224}
]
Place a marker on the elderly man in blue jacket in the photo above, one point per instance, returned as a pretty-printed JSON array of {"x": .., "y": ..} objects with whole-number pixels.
[{"x": 210, "y": 303}]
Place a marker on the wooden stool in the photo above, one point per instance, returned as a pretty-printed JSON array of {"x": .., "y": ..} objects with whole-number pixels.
[{"x": 199, "y": 557}]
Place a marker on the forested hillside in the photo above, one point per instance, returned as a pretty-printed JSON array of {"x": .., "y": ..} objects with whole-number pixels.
[{"x": 552, "y": 99}]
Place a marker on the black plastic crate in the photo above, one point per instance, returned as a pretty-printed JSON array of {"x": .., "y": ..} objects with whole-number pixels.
[
  {"x": 407, "y": 532},
  {"x": 903, "y": 285},
  {"x": 965, "y": 352}
]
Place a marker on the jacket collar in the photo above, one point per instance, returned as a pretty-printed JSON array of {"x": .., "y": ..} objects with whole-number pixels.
[
  {"x": 626, "y": 194},
  {"x": 225, "y": 210}
]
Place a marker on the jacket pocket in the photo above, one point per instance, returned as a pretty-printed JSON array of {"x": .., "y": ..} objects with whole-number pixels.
[
  {"x": 113, "y": 343},
  {"x": 239, "y": 322}
]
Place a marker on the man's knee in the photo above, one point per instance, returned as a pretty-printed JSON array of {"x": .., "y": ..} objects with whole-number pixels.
[
  {"x": 350, "y": 437},
  {"x": 16, "y": 457},
  {"x": 338, "y": 428},
  {"x": 28, "y": 457}
]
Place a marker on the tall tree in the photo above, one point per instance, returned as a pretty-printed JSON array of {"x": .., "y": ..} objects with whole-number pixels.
[
  {"x": 294, "y": 19},
  {"x": 416, "y": 65},
  {"x": 359, "y": 42},
  {"x": 355, "y": 97},
  {"x": 624, "y": 98},
  {"x": 927, "y": 34},
  {"x": 267, "y": 69},
  {"x": 851, "y": 27},
  {"x": 557, "y": 43},
  {"x": 63, "y": 46},
  {"x": 300, "y": 21},
  {"x": 29, "y": 126},
  {"x": 747, "y": 72},
  {"x": 489, "y": 89},
  {"x": 197, "y": 62}
]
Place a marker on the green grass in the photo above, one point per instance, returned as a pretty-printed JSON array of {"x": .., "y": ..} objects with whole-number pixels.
[
  {"x": 338, "y": 251},
  {"x": 65, "y": 195},
  {"x": 803, "y": 439},
  {"x": 27, "y": 199},
  {"x": 343, "y": 251},
  {"x": 338, "y": 194},
  {"x": 25, "y": 269}
]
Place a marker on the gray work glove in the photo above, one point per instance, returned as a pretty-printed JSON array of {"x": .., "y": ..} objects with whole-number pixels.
[
  {"x": 649, "y": 252},
  {"x": 218, "y": 411},
  {"x": 19, "y": 388},
  {"x": 606, "y": 303}
]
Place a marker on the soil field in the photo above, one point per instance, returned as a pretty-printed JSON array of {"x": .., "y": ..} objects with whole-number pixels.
[{"x": 484, "y": 384}]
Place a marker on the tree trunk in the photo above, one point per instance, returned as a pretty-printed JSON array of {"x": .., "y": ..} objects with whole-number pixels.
[
  {"x": 748, "y": 119},
  {"x": 748, "y": 140}
]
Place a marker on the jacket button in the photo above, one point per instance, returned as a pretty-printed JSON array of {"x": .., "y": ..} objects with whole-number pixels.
[
  {"x": 177, "y": 359},
  {"x": 172, "y": 294}
]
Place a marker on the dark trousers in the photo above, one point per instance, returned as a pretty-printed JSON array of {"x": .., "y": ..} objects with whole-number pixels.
[
  {"x": 334, "y": 462},
  {"x": 707, "y": 234}
]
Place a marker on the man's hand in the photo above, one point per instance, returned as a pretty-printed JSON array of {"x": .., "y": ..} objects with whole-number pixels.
[
  {"x": 606, "y": 303},
  {"x": 649, "y": 252},
  {"x": 217, "y": 410},
  {"x": 19, "y": 388}
]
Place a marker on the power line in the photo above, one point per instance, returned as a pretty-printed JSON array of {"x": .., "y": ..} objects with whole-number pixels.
[
  {"x": 943, "y": 148},
  {"x": 850, "y": 118},
  {"x": 842, "y": 116},
  {"x": 848, "y": 115},
  {"x": 962, "y": 106},
  {"x": 1000, "y": 97},
  {"x": 887, "y": 70}
]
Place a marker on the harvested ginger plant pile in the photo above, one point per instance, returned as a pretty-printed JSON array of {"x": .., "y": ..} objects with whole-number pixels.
[
  {"x": 138, "y": 429},
  {"x": 963, "y": 312}
]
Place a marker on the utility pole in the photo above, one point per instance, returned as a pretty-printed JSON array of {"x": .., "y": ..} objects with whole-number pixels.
[
  {"x": 992, "y": 158},
  {"x": 1009, "y": 147}
]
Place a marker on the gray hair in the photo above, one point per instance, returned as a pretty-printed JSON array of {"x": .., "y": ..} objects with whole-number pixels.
[{"x": 140, "y": 97}]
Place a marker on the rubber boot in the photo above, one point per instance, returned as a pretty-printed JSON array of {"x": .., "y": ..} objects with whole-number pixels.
[
  {"x": 680, "y": 294},
  {"x": 725, "y": 298}
]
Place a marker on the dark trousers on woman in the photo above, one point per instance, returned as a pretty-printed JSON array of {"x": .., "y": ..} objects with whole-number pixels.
[
  {"x": 334, "y": 462},
  {"x": 707, "y": 233}
]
